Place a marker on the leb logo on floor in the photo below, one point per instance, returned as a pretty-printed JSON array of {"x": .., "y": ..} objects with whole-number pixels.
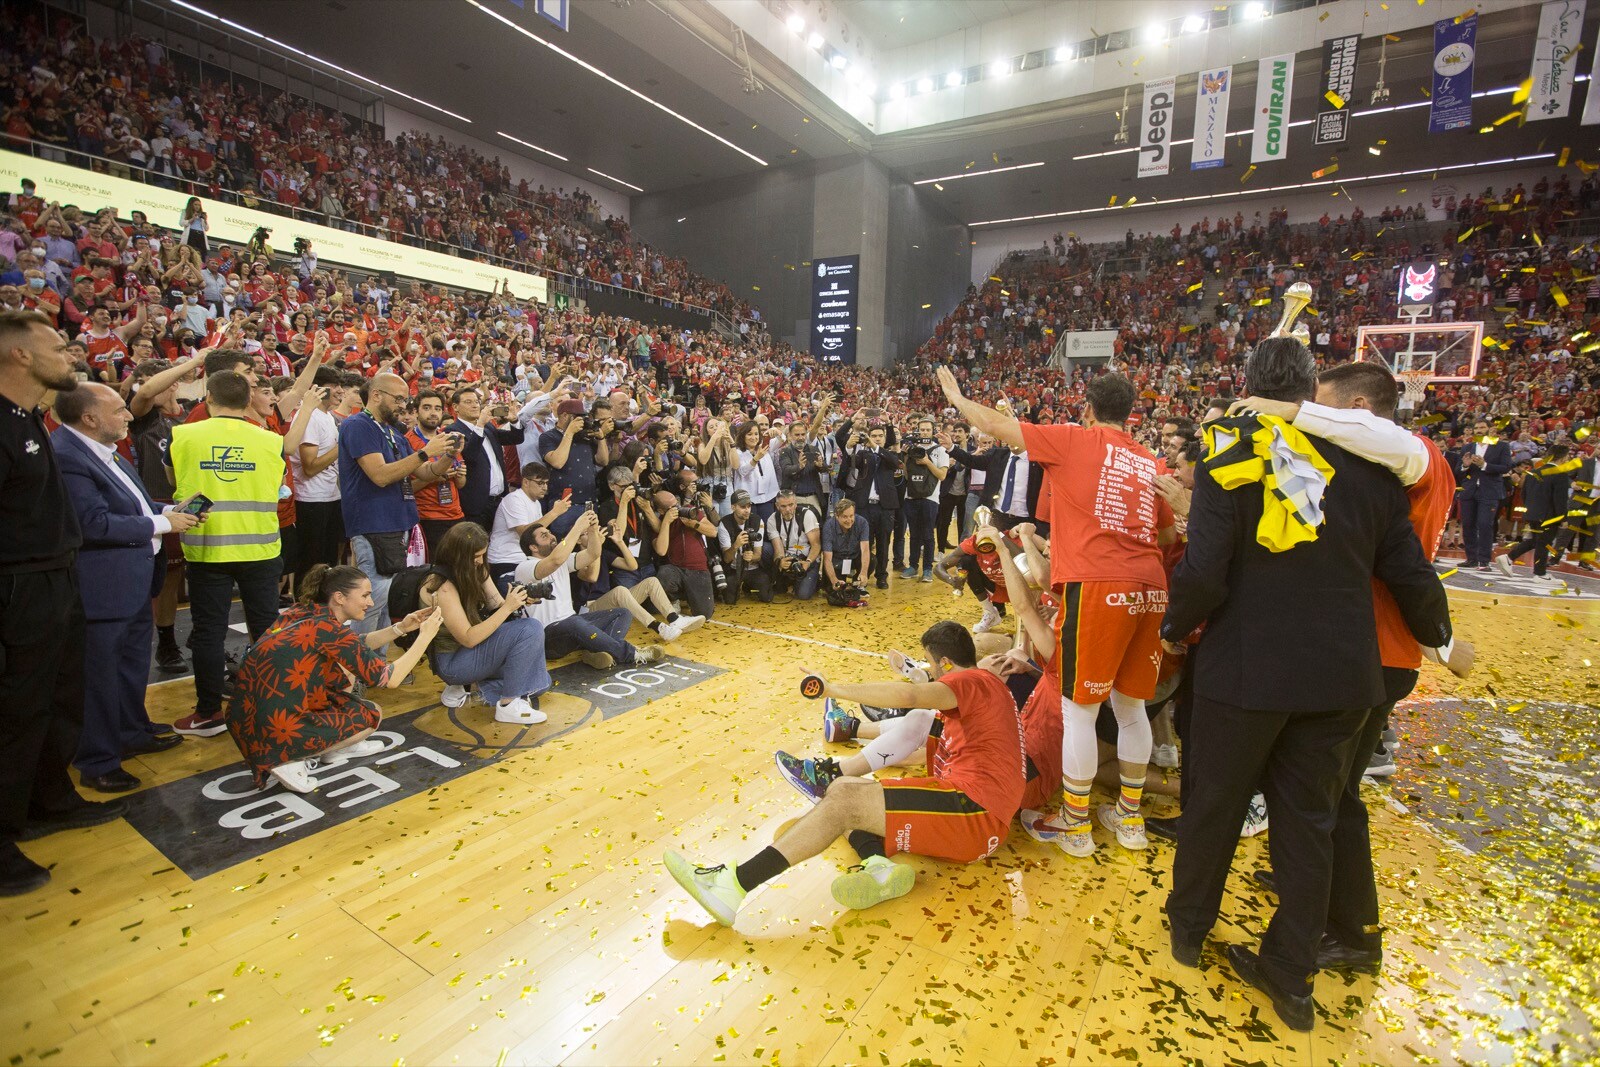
[{"x": 215, "y": 820}]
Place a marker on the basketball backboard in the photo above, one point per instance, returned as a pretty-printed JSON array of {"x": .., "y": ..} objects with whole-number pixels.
[{"x": 1448, "y": 350}]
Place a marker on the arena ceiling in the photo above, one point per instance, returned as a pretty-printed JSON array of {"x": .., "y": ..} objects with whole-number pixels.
[{"x": 455, "y": 55}]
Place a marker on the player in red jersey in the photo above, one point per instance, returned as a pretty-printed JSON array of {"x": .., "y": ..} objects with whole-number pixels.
[
  {"x": 960, "y": 811},
  {"x": 1106, "y": 528}
]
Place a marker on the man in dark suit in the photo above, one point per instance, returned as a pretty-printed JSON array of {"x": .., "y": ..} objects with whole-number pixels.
[
  {"x": 1482, "y": 478},
  {"x": 876, "y": 492},
  {"x": 1283, "y": 680},
  {"x": 120, "y": 569},
  {"x": 1011, "y": 482},
  {"x": 481, "y": 449},
  {"x": 1545, "y": 491}
]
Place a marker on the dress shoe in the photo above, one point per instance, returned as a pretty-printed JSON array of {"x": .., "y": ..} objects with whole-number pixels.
[
  {"x": 117, "y": 781},
  {"x": 171, "y": 660},
  {"x": 883, "y": 583},
  {"x": 1166, "y": 829},
  {"x": 1297, "y": 1010},
  {"x": 19, "y": 874},
  {"x": 1264, "y": 879},
  {"x": 1335, "y": 955},
  {"x": 1184, "y": 952},
  {"x": 160, "y": 729},
  {"x": 87, "y": 813},
  {"x": 155, "y": 743}
]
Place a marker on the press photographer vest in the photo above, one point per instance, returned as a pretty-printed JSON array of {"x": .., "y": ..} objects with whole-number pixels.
[{"x": 239, "y": 465}]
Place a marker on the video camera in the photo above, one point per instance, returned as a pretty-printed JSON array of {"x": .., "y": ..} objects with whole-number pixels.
[{"x": 919, "y": 447}]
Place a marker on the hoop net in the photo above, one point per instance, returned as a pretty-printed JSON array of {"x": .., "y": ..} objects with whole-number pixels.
[{"x": 1414, "y": 384}]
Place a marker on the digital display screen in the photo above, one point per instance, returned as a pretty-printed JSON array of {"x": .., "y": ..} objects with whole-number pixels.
[{"x": 833, "y": 308}]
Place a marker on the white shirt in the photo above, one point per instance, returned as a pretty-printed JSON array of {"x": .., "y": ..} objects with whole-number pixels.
[
  {"x": 1017, "y": 503},
  {"x": 505, "y": 543},
  {"x": 323, "y": 488},
  {"x": 497, "y": 474},
  {"x": 559, "y": 606},
  {"x": 760, "y": 480},
  {"x": 790, "y": 535},
  {"x": 159, "y": 523}
]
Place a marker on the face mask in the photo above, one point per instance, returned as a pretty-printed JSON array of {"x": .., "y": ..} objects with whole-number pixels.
[
  {"x": 161, "y": 320},
  {"x": 36, "y": 284},
  {"x": 188, "y": 300}
]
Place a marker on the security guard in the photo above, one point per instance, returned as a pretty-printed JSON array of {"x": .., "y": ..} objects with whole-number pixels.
[{"x": 237, "y": 466}]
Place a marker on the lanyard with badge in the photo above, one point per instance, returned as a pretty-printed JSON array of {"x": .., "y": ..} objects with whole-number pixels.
[{"x": 393, "y": 456}]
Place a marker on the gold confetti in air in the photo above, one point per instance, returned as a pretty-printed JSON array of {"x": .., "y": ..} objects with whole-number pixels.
[
  {"x": 1558, "y": 296},
  {"x": 1246, "y": 177},
  {"x": 1196, "y": 287},
  {"x": 1465, "y": 15},
  {"x": 1325, "y": 171},
  {"x": 1324, "y": 16},
  {"x": 1335, "y": 99},
  {"x": 1523, "y": 91},
  {"x": 1566, "y": 151}
]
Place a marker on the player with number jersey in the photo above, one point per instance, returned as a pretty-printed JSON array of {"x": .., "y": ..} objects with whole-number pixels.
[
  {"x": 959, "y": 811},
  {"x": 1106, "y": 529}
]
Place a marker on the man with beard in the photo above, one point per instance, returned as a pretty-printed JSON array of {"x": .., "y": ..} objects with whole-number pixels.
[
  {"x": 438, "y": 500},
  {"x": 41, "y": 615}
]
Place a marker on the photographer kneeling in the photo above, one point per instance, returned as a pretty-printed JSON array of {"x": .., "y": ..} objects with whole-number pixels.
[
  {"x": 795, "y": 541},
  {"x": 846, "y": 554},
  {"x": 597, "y": 636},
  {"x": 745, "y": 556},
  {"x": 486, "y": 641}
]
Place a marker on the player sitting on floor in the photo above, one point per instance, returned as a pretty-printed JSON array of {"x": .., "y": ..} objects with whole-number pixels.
[{"x": 961, "y": 811}]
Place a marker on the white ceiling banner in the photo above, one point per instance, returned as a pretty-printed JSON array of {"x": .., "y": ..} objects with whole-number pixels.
[
  {"x": 1211, "y": 118},
  {"x": 1555, "y": 59},
  {"x": 1274, "y": 87},
  {"x": 1591, "y": 106},
  {"x": 1155, "y": 136}
]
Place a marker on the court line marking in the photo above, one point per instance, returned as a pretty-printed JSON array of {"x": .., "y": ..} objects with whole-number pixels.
[{"x": 795, "y": 637}]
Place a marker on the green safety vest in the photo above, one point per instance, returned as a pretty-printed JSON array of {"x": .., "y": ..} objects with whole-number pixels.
[{"x": 239, "y": 466}]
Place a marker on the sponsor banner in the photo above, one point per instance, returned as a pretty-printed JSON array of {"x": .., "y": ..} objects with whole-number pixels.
[
  {"x": 835, "y": 283},
  {"x": 1591, "y": 104},
  {"x": 1555, "y": 59},
  {"x": 1211, "y": 118},
  {"x": 1454, "y": 56},
  {"x": 1155, "y": 138},
  {"x": 1092, "y": 346},
  {"x": 1274, "y": 86},
  {"x": 233, "y": 224},
  {"x": 1339, "y": 56}
]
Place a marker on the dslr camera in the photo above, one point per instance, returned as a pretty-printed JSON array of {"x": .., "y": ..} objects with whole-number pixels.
[
  {"x": 543, "y": 589},
  {"x": 919, "y": 447}
]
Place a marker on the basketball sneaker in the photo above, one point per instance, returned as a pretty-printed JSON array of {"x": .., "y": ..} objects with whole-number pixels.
[
  {"x": 1128, "y": 828},
  {"x": 1502, "y": 563},
  {"x": 713, "y": 888},
  {"x": 873, "y": 713},
  {"x": 908, "y": 668},
  {"x": 836, "y": 725},
  {"x": 873, "y": 881},
  {"x": 1255, "y": 817},
  {"x": 1164, "y": 756},
  {"x": 1076, "y": 840},
  {"x": 454, "y": 696},
  {"x": 811, "y": 777},
  {"x": 991, "y": 618}
]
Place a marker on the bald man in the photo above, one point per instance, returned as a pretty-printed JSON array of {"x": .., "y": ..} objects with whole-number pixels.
[
  {"x": 120, "y": 568},
  {"x": 378, "y": 476}
]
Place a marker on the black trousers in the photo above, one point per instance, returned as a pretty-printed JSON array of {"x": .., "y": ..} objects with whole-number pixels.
[
  {"x": 1303, "y": 761},
  {"x": 881, "y": 521},
  {"x": 950, "y": 505},
  {"x": 210, "y": 598},
  {"x": 321, "y": 526},
  {"x": 41, "y": 694},
  {"x": 433, "y": 530},
  {"x": 1537, "y": 542},
  {"x": 1183, "y": 719}
]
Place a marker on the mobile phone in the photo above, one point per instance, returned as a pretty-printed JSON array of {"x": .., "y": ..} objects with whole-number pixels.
[
  {"x": 198, "y": 504},
  {"x": 589, "y": 506},
  {"x": 566, "y": 494}
]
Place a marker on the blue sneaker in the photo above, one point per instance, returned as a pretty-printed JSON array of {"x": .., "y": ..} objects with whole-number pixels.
[
  {"x": 811, "y": 777},
  {"x": 908, "y": 572},
  {"x": 836, "y": 725}
]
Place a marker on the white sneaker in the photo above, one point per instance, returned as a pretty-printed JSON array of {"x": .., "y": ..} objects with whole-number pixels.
[
  {"x": 369, "y": 747},
  {"x": 1128, "y": 828},
  {"x": 1503, "y": 565},
  {"x": 1164, "y": 756},
  {"x": 1075, "y": 839},
  {"x": 670, "y": 631},
  {"x": 1381, "y": 764},
  {"x": 297, "y": 775},
  {"x": 519, "y": 712},
  {"x": 644, "y": 654},
  {"x": 454, "y": 696},
  {"x": 991, "y": 618},
  {"x": 690, "y": 623},
  {"x": 1255, "y": 819},
  {"x": 910, "y": 669}
]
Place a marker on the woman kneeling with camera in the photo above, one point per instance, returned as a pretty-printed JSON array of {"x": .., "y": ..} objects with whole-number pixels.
[
  {"x": 294, "y": 711},
  {"x": 486, "y": 641}
]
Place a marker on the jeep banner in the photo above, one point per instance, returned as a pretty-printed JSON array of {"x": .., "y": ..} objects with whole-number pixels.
[
  {"x": 1274, "y": 87},
  {"x": 1155, "y": 138}
]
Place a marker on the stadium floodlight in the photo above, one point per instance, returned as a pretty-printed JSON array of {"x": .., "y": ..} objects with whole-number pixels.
[
  {"x": 1255, "y": 10},
  {"x": 796, "y": 24},
  {"x": 953, "y": 79},
  {"x": 838, "y": 61},
  {"x": 1000, "y": 68},
  {"x": 924, "y": 85},
  {"x": 897, "y": 91},
  {"x": 815, "y": 41},
  {"x": 1155, "y": 32},
  {"x": 1194, "y": 24},
  {"x": 1063, "y": 53}
]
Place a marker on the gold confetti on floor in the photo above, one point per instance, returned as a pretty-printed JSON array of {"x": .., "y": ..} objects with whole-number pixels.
[{"x": 519, "y": 915}]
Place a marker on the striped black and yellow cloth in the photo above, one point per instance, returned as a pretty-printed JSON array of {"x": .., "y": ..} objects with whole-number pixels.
[{"x": 1265, "y": 450}]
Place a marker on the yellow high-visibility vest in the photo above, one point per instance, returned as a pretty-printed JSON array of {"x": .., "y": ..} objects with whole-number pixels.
[{"x": 239, "y": 466}]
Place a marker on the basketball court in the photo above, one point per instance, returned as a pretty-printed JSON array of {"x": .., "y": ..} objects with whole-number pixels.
[{"x": 487, "y": 894}]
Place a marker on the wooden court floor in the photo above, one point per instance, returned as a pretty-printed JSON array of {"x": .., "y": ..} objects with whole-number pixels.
[{"x": 518, "y": 914}]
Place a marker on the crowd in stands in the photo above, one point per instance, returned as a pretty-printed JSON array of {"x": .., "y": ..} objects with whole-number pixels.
[{"x": 129, "y": 104}]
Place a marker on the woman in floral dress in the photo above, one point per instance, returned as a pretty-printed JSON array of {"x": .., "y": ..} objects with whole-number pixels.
[{"x": 293, "y": 709}]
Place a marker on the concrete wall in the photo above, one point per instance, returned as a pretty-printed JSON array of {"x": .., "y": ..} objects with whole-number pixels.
[{"x": 930, "y": 261}]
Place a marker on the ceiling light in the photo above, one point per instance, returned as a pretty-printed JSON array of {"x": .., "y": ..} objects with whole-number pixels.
[
  {"x": 815, "y": 40},
  {"x": 1063, "y": 53},
  {"x": 1255, "y": 11},
  {"x": 952, "y": 79},
  {"x": 979, "y": 173},
  {"x": 1000, "y": 68},
  {"x": 1194, "y": 24},
  {"x": 316, "y": 59},
  {"x": 839, "y": 61},
  {"x": 684, "y": 219},
  {"x": 795, "y": 23},
  {"x": 897, "y": 91},
  {"x": 1155, "y": 32},
  {"x": 1375, "y": 151},
  {"x": 530, "y": 144},
  {"x": 591, "y": 68},
  {"x": 619, "y": 181},
  {"x": 924, "y": 85}
]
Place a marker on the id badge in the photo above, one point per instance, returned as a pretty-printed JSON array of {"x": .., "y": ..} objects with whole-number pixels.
[{"x": 634, "y": 546}]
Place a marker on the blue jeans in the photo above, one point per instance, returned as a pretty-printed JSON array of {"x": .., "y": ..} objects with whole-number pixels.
[
  {"x": 805, "y": 586},
  {"x": 593, "y": 631},
  {"x": 377, "y": 617},
  {"x": 508, "y": 663}
]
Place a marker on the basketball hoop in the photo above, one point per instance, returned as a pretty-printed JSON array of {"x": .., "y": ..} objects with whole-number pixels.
[{"x": 1414, "y": 384}]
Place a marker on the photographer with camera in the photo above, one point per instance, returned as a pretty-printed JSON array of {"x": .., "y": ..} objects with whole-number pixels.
[
  {"x": 745, "y": 555},
  {"x": 680, "y": 541},
  {"x": 803, "y": 465},
  {"x": 795, "y": 540},
  {"x": 575, "y": 457},
  {"x": 846, "y": 555},
  {"x": 520, "y": 511},
  {"x": 485, "y": 640},
  {"x": 597, "y": 636},
  {"x": 927, "y": 466}
]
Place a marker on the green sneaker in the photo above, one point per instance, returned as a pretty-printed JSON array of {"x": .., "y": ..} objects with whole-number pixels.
[
  {"x": 873, "y": 882},
  {"x": 713, "y": 888}
]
